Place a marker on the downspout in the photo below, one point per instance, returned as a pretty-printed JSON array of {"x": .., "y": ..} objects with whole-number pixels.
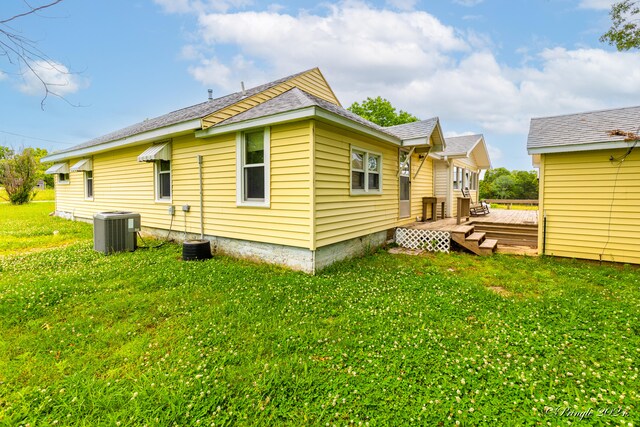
[
  {"x": 199, "y": 157},
  {"x": 544, "y": 233}
]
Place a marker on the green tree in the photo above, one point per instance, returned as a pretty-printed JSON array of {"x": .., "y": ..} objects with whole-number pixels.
[
  {"x": 19, "y": 176},
  {"x": 526, "y": 184},
  {"x": 5, "y": 152},
  {"x": 503, "y": 186},
  {"x": 381, "y": 112},
  {"x": 624, "y": 32},
  {"x": 39, "y": 153},
  {"x": 501, "y": 183}
]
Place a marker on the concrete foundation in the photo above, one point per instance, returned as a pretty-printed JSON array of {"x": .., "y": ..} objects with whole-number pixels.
[{"x": 295, "y": 258}]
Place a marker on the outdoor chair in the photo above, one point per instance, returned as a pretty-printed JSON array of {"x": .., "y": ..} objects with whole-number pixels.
[{"x": 478, "y": 208}]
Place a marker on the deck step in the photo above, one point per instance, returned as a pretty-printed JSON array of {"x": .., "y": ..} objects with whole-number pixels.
[
  {"x": 463, "y": 229},
  {"x": 488, "y": 247},
  {"x": 476, "y": 237}
]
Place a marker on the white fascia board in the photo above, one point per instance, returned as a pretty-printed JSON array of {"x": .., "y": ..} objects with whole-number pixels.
[
  {"x": 140, "y": 138},
  {"x": 581, "y": 147},
  {"x": 303, "y": 113},
  {"x": 416, "y": 141},
  {"x": 258, "y": 122},
  {"x": 327, "y": 115}
]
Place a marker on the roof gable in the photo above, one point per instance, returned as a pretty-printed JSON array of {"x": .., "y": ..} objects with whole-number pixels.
[
  {"x": 473, "y": 147},
  {"x": 311, "y": 81},
  {"x": 590, "y": 130}
]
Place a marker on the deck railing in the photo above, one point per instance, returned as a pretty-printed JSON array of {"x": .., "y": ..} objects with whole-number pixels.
[{"x": 511, "y": 202}]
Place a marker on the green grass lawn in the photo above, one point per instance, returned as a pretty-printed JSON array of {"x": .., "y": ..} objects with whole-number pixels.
[
  {"x": 514, "y": 207},
  {"x": 48, "y": 194},
  {"x": 144, "y": 338}
]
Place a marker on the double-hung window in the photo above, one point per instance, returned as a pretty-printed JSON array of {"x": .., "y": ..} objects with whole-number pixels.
[
  {"x": 253, "y": 149},
  {"x": 163, "y": 179},
  {"x": 456, "y": 178},
  {"x": 63, "y": 178},
  {"x": 366, "y": 172},
  {"x": 88, "y": 185}
]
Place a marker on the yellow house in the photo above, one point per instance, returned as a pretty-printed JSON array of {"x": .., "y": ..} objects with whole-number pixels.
[
  {"x": 459, "y": 166},
  {"x": 589, "y": 184},
  {"x": 280, "y": 172}
]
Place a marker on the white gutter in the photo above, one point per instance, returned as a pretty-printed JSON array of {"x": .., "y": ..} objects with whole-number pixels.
[
  {"x": 581, "y": 147},
  {"x": 140, "y": 138}
]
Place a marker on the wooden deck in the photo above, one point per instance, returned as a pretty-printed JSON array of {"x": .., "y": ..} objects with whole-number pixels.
[
  {"x": 497, "y": 216},
  {"x": 516, "y": 231}
]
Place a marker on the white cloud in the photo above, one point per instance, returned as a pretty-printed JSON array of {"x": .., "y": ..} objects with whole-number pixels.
[
  {"x": 55, "y": 75},
  {"x": 495, "y": 154},
  {"x": 597, "y": 4},
  {"x": 418, "y": 63},
  {"x": 2, "y": 75},
  {"x": 468, "y": 3}
]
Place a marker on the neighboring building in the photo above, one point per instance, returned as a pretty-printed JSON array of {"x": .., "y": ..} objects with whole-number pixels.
[
  {"x": 589, "y": 184},
  {"x": 288, "y": 175},
  {"x": 459, "y": 166}
]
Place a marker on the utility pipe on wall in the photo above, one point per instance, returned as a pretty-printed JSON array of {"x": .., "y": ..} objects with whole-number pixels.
[{"x": 199, "y": 157}]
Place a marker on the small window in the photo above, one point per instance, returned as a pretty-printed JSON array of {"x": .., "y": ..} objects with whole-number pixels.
[
  {"x": 88, "y": 185},
  {"x": 253, "y": 168},
  {"x": 163, "y": 180},
  {"x": 456, "y": 185},
  {"x": 63, "y": 178},
  {"x": 366, "y": 172}
]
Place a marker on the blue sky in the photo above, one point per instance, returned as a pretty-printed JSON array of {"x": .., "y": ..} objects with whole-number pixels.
[{"x": 482, "y": 66}]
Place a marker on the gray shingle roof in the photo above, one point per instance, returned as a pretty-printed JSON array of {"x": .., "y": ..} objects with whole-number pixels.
[
  {"x": 582, "y": 128},
  {"x": 295, "y": 99},
  {"x": 197, "y": 111},
  {"x": 423, "y": 128},
  {"x": 459, "y": 145}
]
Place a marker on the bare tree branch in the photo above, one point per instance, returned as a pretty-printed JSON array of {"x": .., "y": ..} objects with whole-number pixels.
[
  {"x": 32, "y": 10},
  {"x": 24, "y": 53}
]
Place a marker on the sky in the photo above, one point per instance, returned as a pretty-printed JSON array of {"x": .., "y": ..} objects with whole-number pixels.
[{"x": 481, "y": 66}]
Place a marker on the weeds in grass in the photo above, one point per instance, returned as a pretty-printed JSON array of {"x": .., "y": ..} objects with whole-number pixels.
[{"x": 144, "y": 338}]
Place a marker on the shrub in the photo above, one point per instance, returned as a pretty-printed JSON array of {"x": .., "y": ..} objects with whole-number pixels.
[{"x": 19, "y": 176}]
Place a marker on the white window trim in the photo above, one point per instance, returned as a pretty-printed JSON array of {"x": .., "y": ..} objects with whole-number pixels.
[
  {"x": 266, "y": 203},
  {"x": 66, "y": 181},
  {"x": 86, "y": 187},
  {"x": 156, "y": 179},
  {"x": 365, "y": 191}
]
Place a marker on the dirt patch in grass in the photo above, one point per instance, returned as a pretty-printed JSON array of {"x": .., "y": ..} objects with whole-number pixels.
[{"x": 500, "y": 291}]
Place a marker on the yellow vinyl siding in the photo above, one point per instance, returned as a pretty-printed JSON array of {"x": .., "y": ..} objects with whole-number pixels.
[
  {"x": 592, "y": 205},
  {"x": 123, "y": 183},
  {"x": 285, "y": 222},
  {"x": 120, "y": 183},
  {"x": 421, "y": 186},
  {"x": 339, "y": 215},
  {"x": 469, "y": 164},
  {"x": 312, "y": 82}
]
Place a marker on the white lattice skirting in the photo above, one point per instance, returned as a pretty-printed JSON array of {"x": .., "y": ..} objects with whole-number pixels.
[{"x": 430, "y": 240}]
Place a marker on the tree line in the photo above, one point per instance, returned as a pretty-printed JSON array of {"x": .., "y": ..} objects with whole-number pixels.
[{"x": 501, "y": 183}]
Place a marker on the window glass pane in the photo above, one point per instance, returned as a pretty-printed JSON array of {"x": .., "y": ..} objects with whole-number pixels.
[
  {"x": 89, "y": 183},
  {"x": 254, "y": 146},
  {"x": 404, "y": 188},
  {"x": 374, "y": 163},
  {"x": 455, "y": 177},
  {"x": 165, "y": 185},
  {"x": 404, "y": 163},
  {"x": 254, "y": 183},
  {"x": 357, "y": 180},
  {"x": 357, "y": 160},
  {"x": 165, "y": 165},
  {"x": 374, "y": 181}
]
